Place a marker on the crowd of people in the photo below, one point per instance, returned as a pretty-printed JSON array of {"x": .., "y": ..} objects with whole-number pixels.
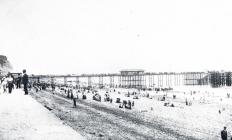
[{"x": 10, "y": 82}]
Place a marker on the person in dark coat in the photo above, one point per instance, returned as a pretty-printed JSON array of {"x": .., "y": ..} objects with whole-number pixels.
[
  {"x": 18, "y": 81},
  {"x": 25, "y": 82},
  {"x": 224, "y": 134}
]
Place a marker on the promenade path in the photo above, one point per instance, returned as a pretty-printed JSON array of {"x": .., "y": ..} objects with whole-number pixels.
[{"x": 23, "y": 118}]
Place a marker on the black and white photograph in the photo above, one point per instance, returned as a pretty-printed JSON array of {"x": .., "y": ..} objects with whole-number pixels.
[{"x": 115, "y": 70}]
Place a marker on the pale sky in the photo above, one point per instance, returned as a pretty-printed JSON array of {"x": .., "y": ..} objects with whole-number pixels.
[{"x": 105, "y": 36}]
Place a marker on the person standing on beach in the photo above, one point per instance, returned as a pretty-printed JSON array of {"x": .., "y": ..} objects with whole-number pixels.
[
  {"x": 10, "y": 83},
  {"x": 18, "y": 81},
  {"x": 25, "y": 82},
  {"x": 75, "y": 97},
  {"x": 4, "y": 84},
  {"x": 224, "y": 134}
]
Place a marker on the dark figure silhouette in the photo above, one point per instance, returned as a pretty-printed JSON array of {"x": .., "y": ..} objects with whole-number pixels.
[
  {"x": 18, "y": 81},
  {"x": 25, "y": 82},
  {"x": 224, "y": 134}
]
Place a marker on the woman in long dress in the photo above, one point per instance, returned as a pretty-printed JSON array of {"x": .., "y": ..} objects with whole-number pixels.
[{"x": 4, "y": 84}]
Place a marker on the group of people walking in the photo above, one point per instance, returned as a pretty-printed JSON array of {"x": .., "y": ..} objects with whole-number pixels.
[{"x": 9, "y": 82}]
